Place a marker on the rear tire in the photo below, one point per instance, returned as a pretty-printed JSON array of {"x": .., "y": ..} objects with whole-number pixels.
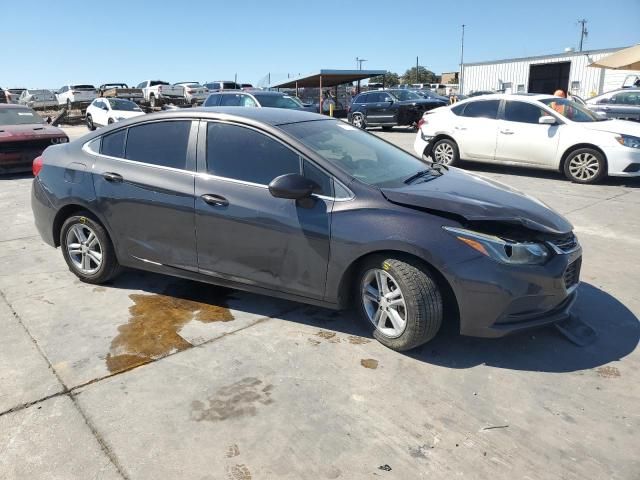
[
  {"x": 357, "y": 120},
  {"x": 87, "y": 249},
  {"x": 408, "y": 312},
  {"x": 585, "y": 165},
  {"x": 446, "y": 152}
]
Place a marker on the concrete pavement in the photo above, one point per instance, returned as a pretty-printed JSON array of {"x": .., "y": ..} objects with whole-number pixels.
[{"x": 153, "y": 377}]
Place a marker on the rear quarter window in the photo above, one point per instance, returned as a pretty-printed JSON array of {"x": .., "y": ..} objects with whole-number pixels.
[
  {"x": 113, "y": 144},
  {"x": 458, "y": 109}
]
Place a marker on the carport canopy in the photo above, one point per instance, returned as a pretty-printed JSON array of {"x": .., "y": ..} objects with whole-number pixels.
[{"x": 327, "y": 78}]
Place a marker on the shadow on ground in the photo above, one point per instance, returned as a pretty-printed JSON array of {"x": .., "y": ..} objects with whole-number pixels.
[
  {"x": 538, "y": 173},
  {"x": 543, "y": 349},
  {"x": 15, "y": 176}
]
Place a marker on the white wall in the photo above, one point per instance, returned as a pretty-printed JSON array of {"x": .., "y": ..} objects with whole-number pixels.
[{"x": 490, "y": 76}]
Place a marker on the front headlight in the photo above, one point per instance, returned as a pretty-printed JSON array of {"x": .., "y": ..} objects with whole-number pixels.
[
  {"x": 628, "y": 141},
  {"x": 503, "y": 251}
]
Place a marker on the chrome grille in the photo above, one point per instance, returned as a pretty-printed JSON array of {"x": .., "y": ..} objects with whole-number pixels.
[
  {"x": 572, "y": 274},
  {"x": 565, "y": 243}
]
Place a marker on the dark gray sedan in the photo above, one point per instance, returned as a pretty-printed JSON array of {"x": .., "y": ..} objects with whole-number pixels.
[{"x": 304, "y": 207}]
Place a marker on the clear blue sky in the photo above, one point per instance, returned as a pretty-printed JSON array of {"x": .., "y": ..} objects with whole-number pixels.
[{"x": 49, "y": 43}]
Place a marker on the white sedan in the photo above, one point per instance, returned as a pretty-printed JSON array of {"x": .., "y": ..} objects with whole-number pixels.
[
  {"x": 105, "y": 111},
  {"x": 538, "y": 131}
]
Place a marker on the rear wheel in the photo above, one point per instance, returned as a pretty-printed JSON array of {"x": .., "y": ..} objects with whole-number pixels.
[
  {"x": 87, "y": 249},
  {"x": 110, "y": 121},
  {"x": 585, "y": 165},
  {"x": 400, "y": 301},
  {"x": 357, "y": 119},
  {"x": 445, "y": 151}
]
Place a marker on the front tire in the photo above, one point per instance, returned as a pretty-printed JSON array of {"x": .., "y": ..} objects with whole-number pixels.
[
  {"x": 585, "y": 165},
  {"x": 87, "y": 249},
  {"x": 90, "y": 124},
  {"x": 446, "y": 152},
  {"x": 400, "y": 301}
]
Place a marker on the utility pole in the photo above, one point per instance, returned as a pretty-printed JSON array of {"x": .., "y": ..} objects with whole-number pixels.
[
  {"x": 359, "y": 62},
  {"x": 417, "y": 68},
  {"x": 583, "y": 32},
  {"x": 460, "y": 79}
]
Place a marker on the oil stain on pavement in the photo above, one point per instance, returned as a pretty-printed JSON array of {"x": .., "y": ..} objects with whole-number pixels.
[
  {"x": 155, "y": 322},
  {"x": 369, "y": 363},
  {"x": 240, "y": 399}
]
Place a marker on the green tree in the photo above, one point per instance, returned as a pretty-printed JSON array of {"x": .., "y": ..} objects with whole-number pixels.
[
  {"x": 424, "y": 76},
  {"x": 390, "y": 79}
]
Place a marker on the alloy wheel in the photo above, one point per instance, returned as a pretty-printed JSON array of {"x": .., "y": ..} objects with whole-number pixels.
[
  {"x": 584, "y": 166},
  {"x": 443, "y": 153},
  {"x": 84, "y": 249},
  {"x": 384, "y": 303},
  {"x": 358, "y": 121}
]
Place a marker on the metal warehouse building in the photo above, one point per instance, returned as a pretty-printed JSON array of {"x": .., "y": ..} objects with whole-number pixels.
[{"x": 545, "y": 74}]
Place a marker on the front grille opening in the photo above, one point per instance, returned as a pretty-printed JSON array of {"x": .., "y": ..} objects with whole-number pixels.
[
  {"x": 566, "y": 243},
  {"x": 572, "y": 274}
]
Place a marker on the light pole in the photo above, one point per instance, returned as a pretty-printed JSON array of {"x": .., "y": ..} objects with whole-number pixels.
[
  {"x": 359, "y": 62},
  {"x": 461, "y": 79}
]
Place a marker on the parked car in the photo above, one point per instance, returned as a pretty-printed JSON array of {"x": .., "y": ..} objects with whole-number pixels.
[
  {"x": 539, "y": 131},
  {"x": 388, "y": 108},
  {"x": 425, "y": 93},
  {"x": 23, "y": 136},
  {"x": 121, "y": 90},
  {"x": 157, "y": 93},
  {"x": 105, "y": 111},
  {"x": 478, "y": 93},
  {"x": 301, "y": 206},
  {"x": 13, "y": 94},
  {"x": 222, "y": 85},
  {"x": 76, "y": 96},
  {"x": 623, "y": 104},
  {"x": 257, "y": 98},
  {"x": 3, "y": 96},
  {"x": 38, "y": 99},
  {"x": 194, "y": 93}
]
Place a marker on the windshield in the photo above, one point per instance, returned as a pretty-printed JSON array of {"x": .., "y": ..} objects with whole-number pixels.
[
  {"x": 358, "y": 153},
  {"x": 406, "y": 95},
  {"x": 570, "y": 110},
  {"x": 19, "y": 116},
  {"x": 277, "y": 101},
  {"x": 123, "y": 105},
  {"x": 40, "y": 92},
  {"x": 82, "y": 87}
]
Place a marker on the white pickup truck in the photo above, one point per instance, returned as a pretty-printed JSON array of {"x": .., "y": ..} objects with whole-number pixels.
[{"x": 157, "y": 92}]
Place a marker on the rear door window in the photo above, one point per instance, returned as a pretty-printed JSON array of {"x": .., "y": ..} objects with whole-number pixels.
[
  {"x": 113, "y": 144},
  {"x": 244, "y": 154},
  {"x": 159, "y": 143},
  {"x": 482, "y": 109}
]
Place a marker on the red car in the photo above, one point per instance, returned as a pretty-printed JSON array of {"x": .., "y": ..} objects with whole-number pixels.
[{"x": 23, "y": 136}]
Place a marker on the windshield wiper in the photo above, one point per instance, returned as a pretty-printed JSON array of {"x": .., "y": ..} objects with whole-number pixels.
[{"x": 422, "y": 173}]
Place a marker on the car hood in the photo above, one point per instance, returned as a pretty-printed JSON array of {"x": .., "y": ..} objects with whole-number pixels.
[
  {"x": 10, "y": 133},
  {"x": 477, "y": 198},
  {"x": 614, "y": 126},
  {"x": 125, "y": 114}
]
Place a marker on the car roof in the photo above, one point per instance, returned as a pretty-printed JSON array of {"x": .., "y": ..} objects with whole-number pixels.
[
  {"x": 250, "y": 92},
  {"x": 507, "y": 96},
  {"x": 267, "y": 115}
]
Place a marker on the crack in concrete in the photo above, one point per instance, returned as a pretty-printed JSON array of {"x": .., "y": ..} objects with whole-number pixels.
[{"x": 603, "y": 200}]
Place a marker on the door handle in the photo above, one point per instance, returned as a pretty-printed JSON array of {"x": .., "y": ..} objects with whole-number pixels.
[
  {"x": 214, "y": 200},
  {"x": 507, "y": 132},
  {"x": 112, "y": 177}
]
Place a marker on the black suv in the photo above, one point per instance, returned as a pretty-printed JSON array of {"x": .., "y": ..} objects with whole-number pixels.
[{"x": 389, "y": 108}]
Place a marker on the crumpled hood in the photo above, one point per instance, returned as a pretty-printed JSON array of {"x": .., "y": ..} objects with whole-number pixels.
[
  {"x": 479, "y": 199},
  {"x": 625, "y": 127}
]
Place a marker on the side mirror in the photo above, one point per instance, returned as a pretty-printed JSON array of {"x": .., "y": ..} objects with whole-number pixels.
[
  {"x": 292, "y": 186},
  {"x": 547, "y": 120}
]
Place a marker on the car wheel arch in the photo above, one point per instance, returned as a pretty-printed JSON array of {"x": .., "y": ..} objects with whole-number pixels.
[
  {"x": 72, "y": 209},
  {"x": 437, "y": 138},
  {"x": 578, "y": 146},
  {"x": 347, "y": 281}
]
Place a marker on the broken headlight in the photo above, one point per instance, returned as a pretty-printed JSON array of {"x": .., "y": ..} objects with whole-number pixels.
[{"x": 503, "y": 251}]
